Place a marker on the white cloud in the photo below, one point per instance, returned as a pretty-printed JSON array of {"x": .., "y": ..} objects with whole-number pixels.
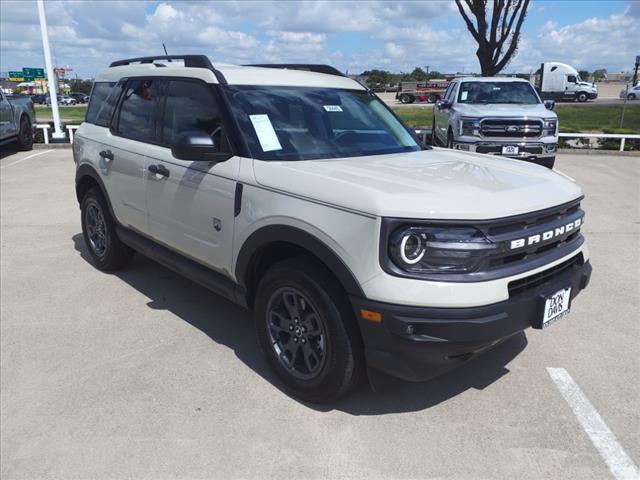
[{"x": 351, "y": 35}]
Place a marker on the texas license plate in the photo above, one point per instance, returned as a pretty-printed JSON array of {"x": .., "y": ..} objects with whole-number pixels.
[
  {"x": 510, "y": 150},
  {"x": 556, "y": 306}
]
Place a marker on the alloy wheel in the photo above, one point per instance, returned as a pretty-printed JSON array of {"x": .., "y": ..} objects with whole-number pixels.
[
  {"x": 96, "y": 229},
  {"x": 297, "y": 333}
]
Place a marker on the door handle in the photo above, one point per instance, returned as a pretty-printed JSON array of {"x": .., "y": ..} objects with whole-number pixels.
[
  {"x": 159, "y": 170},
  {"x": 106, "y": 154}
]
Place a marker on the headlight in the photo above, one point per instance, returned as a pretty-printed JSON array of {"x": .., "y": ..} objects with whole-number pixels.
[
  {"x": 469, "y": 127},
  {"x": 551, "y": 127},
  {"x": 438, "y": 249}
]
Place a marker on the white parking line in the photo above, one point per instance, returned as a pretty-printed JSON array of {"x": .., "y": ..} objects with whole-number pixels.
[
  {"x": 621, "y": 466},
  {"x": 27, "y": 158}
]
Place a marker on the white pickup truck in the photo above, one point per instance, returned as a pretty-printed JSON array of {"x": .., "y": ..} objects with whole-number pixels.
[
  {"x": 17, "y": 117},
  {"x": 497, "y": 116}
]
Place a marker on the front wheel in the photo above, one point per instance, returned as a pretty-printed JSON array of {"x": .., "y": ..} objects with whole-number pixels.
[
  {"x": 631, "y": 96},
  {"x": 450, "y": 139},
  {"x": 582, "y": 97},
  {"x": 25, "y": 135},
  {"x": 307, "y": 332}
]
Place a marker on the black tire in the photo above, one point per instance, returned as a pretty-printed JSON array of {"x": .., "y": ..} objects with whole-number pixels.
[
  {"x": 450, "y": 139},
  {"x": 335, "y": 362},
  {"x": 406, "y": 98},
  {"x": 582, "y": 97},
  {"x": 99, "y": 231},
  {"x": 631, "y": 96},
  {"x": 433, "y": 98},
  {"x": 25, "y": 134},
  {"x": 547, "y": 162}
]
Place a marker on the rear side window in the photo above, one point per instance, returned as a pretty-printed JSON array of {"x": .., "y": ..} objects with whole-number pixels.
[
  {"x": 99, "y": 94},
  {"x": 138, "y": 110},
  {"x": 189, "y": 107}
]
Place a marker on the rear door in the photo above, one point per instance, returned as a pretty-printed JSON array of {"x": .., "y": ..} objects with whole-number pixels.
[
  {"x": 134, "y": 128},
  {"x": 191, "y": 204}
]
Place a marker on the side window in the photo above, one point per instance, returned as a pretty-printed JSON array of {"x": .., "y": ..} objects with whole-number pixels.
[
  {"x": 189, "y": 106},
  {"x": 571, "y": 78},
  {"x": 99, "y": 94},
  {"x": 138, "y": 109}
]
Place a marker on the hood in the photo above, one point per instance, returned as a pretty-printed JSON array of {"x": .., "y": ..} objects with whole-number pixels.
[
  {"x": 438, "y": 184},
  {"x": 503, "y": 110}
]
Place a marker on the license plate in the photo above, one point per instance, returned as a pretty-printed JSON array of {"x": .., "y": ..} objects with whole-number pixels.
[
  {"x": 510, "y": 150},
  {"x": 556, "y": 306}
]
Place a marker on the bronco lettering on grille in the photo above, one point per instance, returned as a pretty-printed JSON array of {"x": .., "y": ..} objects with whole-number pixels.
[{"x": 545, "y": 236}]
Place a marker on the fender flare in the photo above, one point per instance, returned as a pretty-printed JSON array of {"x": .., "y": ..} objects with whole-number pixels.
[
  {"x": 285, "y": 233},
  {"x": 86, "y": 170}
]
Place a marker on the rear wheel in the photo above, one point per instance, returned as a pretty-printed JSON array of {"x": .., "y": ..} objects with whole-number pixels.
[
  {"x": 99, "y": 231},
  {"x": 307, "y": 332},
  {"x": 406, "y": 98},
  {"x": 25, "y": 134}
]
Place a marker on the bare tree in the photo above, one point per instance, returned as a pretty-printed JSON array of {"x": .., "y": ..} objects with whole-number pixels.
[{"x": 497, "y": 41}]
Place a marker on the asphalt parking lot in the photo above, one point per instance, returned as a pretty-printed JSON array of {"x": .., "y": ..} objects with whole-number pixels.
[{"x": 144, "y": 374}]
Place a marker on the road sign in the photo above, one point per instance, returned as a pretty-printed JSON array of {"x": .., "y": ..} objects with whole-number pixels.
[
  {"x": 30, "y": 74},
  {"x": 637, "y": 59},
  {"x": 16, "y": 76}
]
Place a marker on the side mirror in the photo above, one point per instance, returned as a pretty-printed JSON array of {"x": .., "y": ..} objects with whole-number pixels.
[
  {"x": 443, "y": 104},
  {"x": 549, "y": 104},
  {"x": 198, "y": 147}
]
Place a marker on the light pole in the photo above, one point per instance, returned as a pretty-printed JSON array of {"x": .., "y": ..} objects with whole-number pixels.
[{"x": 58, "y": 135}]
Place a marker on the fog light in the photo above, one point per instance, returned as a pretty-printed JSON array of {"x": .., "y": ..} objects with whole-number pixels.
[
  {"x": 463, "y": 147},
  {"x": 409, "y": 329}
]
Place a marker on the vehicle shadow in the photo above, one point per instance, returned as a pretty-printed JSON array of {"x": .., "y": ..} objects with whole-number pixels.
[
  {"x": 228, "y": 324},
  {"x": 8, "y": 149}
]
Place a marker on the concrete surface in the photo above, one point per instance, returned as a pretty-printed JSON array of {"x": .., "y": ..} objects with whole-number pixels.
[{"x": 144, "y": 374}]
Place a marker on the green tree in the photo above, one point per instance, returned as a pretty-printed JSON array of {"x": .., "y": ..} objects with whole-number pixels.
[
  {"x": 584, "y": 74},
  {"x": 81, "y": 86},
  {"x": 599, "y": 74},
  {"x": 377, "y": 78}
]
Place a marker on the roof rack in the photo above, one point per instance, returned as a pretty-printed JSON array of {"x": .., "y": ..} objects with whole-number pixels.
[
  {"x": 192, "y": 61},
  {"x": 309, "y": 67}
]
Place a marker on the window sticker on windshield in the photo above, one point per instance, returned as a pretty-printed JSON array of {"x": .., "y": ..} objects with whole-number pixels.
[
  {"x": 332, "y": 108},
  {"x": 463, "y": 96},
  {"x": 266, "y": 134}
]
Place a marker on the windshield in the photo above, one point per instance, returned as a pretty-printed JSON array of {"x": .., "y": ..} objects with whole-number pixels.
[
  {"x": 303, "y": 123},
  {"x": 497, "y": 92}
]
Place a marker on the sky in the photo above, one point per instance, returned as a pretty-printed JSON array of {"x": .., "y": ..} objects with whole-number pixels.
[{"x": 353, "y": 36}]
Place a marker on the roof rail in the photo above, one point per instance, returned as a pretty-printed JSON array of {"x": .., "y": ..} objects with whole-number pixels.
[
  {"x": 193, "y": 61},
  {"x": 309, "y": 67}
]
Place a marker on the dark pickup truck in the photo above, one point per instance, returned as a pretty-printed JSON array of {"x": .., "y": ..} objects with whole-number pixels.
[{"x": 17, "y": 119}]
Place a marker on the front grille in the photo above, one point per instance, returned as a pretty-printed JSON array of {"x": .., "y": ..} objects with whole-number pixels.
[
  {"x": 533, "y": 281},
  {"x": 504, "y": 232},
  {"x": 507, "y": 128}
]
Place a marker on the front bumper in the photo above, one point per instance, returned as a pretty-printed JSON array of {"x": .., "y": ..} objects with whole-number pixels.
[
  {"x": 418, "y": 343},
  {"x": 531, "y": 151},
  {"x": 593, "y": 96}
]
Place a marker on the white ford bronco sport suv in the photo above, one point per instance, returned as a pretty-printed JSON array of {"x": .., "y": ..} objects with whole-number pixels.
[
  {"x": 295, "y": 192},
  {"x": 498, "y": 116}
]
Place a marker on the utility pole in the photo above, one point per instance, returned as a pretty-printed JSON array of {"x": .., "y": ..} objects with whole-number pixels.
[
  {"x": 635, "y": 75},
  {"x": 58, "y": 135}
]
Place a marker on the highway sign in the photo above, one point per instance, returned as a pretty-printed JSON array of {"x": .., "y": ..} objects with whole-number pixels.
[
  {"x": 16, "y": 76},
  {"x": 31, "y": 74}
]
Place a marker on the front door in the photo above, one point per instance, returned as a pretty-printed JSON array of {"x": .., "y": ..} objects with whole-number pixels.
[{"x": 191, "y": 204}]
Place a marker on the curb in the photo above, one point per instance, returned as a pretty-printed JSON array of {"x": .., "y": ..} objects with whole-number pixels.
[
  {"x": 49, "y": 146},
  {"x": 591, "y": 151}
]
